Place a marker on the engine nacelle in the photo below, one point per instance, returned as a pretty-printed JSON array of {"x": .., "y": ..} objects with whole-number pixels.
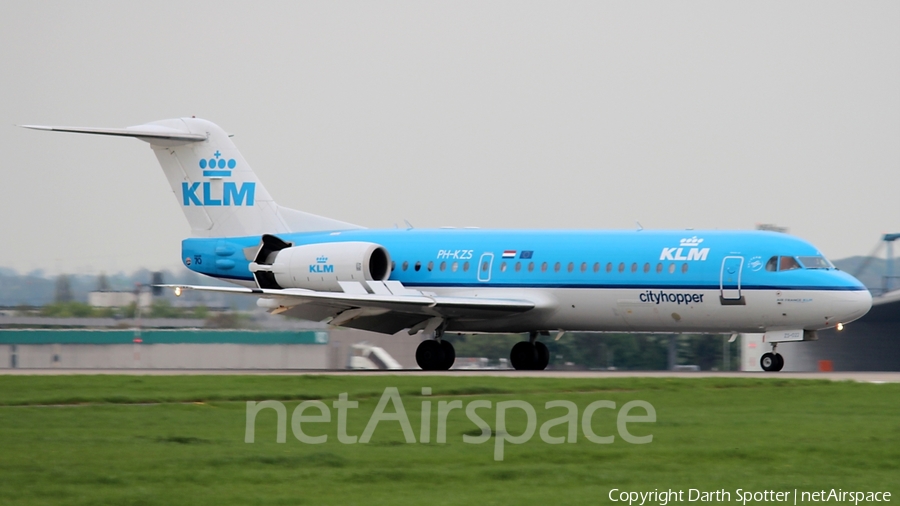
[{"x": 320, "y": 266}]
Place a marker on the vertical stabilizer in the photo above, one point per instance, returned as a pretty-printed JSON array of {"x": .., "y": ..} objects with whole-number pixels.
[{"x": 215, "y": 187}]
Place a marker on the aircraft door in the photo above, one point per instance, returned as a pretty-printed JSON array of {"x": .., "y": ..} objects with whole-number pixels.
[
  {"x": 484, "y": 267},
  {"x": 730, "y": 281}
]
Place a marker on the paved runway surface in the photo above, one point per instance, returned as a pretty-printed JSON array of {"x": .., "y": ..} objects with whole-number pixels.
[{"x": 868, "y": 377}]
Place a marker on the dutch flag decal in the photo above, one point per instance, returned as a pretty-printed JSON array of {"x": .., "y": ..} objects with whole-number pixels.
[{"x": 510, "y": 253}]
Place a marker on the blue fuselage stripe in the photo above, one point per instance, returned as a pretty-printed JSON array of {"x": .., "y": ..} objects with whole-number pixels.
[{"x": 462, "y": 258}]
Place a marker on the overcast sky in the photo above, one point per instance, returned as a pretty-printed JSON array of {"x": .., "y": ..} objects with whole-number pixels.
[{"x": 493, "y": 114}]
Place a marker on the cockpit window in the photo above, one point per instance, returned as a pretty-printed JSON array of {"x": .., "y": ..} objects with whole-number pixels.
[
  {"x": 816, "y": 262},
  {"x": 784, "y": 263},
  {"x": 787, "y": 264}
]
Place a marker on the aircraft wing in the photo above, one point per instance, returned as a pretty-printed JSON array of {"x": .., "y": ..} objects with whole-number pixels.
[{"x": 389, "y": 308}]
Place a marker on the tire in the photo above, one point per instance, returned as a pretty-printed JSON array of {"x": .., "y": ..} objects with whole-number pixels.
[
  {"x": 779, "y": 362},
  {"x": 429, "y": 355},
  {"x": 543, "y": 356},
  {"x": 768, "y": 362},
  {"x": 449, "y": 355},
  {"x": 523, "y": 356}
]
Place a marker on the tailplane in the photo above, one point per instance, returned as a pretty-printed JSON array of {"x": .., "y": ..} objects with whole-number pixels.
[{"x": 217, "y": 190}]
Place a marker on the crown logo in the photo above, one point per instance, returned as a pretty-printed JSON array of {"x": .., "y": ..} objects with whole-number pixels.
[
  {"x": 216, "y": 166},
  {"x": 691, "y": 242},
  {"x": 321, "y": 260}
]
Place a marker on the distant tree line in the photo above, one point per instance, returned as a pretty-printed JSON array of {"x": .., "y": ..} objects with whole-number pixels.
[
  {"x": 610, "y": 351},
  {"x": 38, "y": 289},
  {"x": 160, "y": 308}
]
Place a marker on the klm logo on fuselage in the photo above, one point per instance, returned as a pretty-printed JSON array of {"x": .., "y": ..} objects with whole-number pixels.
[
  {"x": 321, "y": 266},
  {"x": 689, "y": 250},
  {"x": 209, "y": 194}
]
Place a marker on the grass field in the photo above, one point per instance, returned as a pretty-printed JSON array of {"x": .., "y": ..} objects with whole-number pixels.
[{"x": 180, "y": 440}]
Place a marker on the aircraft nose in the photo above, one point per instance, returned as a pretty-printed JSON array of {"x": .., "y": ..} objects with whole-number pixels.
[{"x": 852, "y": 305}]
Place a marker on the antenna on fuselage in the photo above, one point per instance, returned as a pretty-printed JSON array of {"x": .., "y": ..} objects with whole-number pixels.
[
  {"x": 408, "y": 225},
  {"x": 640, "y": 227}
]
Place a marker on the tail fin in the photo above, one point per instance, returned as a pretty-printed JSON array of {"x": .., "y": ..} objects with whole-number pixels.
[{"x": 215, "y": 187}]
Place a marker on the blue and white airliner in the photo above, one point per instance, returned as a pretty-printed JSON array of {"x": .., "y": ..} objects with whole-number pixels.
[{"x": 471, "y": 280}]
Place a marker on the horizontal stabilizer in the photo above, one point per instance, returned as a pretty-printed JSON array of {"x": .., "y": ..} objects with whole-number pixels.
[{"x": 143, "y": 132}]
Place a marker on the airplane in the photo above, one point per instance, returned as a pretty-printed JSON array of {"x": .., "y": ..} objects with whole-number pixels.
[{"x": 486, "y": 281}]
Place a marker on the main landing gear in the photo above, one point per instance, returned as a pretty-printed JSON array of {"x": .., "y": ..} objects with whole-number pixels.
[
  {"x": 439, "y": 355},
  {"x": 530, "y": 355},
  {"x": 435, "y": 354},
  {"x": 771, "y": 361}
]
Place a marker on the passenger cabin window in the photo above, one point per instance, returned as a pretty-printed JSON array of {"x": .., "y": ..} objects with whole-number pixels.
[
  {"x": 571, "y": 267},
  {"x": 530, "y": 266},
  {"x": 621, "y": 266},
  {"x": 443, "y": 266},
  {"x": 596, "y": 266},
  {"x": 418, "y": 266},
  {"x": 659, "y": 268},
  {"x": 405, "y": 265},
  {"x": 684, "y": 268},
  {"x": 430, "y": 266},
  {"x": 646, "y": 267},
  {"x": 544, "y": 267},
  {"x": 465, "y": 266},
  {"x": 454, "y": 266},
  {"x": 502, "y": 266},
  {"x": 518, "y": 266}
]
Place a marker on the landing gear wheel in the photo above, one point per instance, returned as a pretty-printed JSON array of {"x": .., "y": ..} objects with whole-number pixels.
[
  {"x": 768, "y": 362},
  {"x": 779, "y": 362},
  {"x": 523, "y": 356},
  {"x": 430, "y": 355},
  {"x": 543, "y": 356},
  {"x": 449, "y": 355}
]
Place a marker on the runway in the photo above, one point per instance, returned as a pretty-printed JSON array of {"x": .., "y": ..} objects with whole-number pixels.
[{"x": 863, "y": 377}]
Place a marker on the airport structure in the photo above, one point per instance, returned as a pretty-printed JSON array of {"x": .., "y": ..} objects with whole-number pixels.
[
  {"x": 170, "y": 349},
  {"x": 311, "y": 348}
]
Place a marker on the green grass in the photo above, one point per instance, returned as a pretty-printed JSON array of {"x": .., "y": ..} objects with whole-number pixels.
[{"x": 180, "y": 440}]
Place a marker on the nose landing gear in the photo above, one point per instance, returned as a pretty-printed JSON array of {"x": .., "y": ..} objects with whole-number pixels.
[{"x": 771, "y": 361}]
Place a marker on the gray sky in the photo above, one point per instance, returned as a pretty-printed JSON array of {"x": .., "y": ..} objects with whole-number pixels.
[{"x": 492, "y": 114}]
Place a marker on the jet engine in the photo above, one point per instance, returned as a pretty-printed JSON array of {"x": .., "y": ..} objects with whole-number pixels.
[{"x": 318, "y": 266}]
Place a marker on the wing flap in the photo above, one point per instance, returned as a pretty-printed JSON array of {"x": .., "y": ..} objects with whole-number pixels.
[{"x": 388, "y": 323}]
